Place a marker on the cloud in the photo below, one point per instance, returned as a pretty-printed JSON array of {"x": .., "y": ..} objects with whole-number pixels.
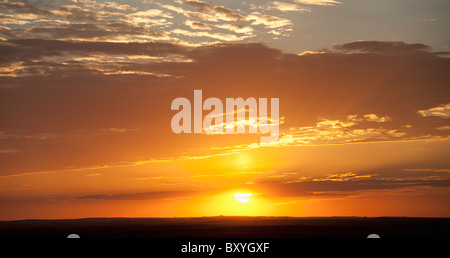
[
  {"x": 121, "y": 7},
  {"x": 209, "y": 12},
  {"x": 197, "y": 25},
  {"x": 6, "y": 19},
  {"x": 6, "y": 151},
  {"x": 318, "y": 2},
  {"x": 89, "y": 4},
  {"x": 62, "y": 21},
  {"x": 349, "y": 176},
  {"x": 76, "y": 13},
  {"x": 149, "y": 13},
  {"x": 434, "y": 19},
  {"x": 237, "y": 28},
  {"x": 84, "y": 31},
  {"x": 219, "y": 36},
  {"x": 219, "y": 12},
  {"x": 141, "y": 196},
  {"x": 352, "y": 183},
  {"x": 85, "y": 19},
  {"x": 382, "y": 47},
  {"x": 23, "y": 7},
  {"x": 375, "y": 118},
  {"x": 27, "y": 49},
  {"x": 341, "y": 131},
  {"x": 269, "y": 21},
  {"x": 84, "y": 11},
  {"x": 288, "y": 7},
  {"x": 171, "y": 8},
  {"x": 441, "y": 111}
]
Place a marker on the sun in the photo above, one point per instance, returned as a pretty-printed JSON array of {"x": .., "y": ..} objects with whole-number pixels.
[{"x": 242, "y": 198}]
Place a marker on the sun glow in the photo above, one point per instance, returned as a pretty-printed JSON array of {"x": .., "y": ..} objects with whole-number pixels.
[
  {"x": 242, "y": 198},
  {"x": 234, "y": 202}
]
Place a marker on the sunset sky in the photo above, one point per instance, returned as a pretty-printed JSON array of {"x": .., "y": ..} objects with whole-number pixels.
[{"x": 85, "y": 108}]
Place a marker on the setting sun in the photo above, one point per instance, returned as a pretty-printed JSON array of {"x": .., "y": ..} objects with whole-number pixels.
[{"x": 242, "y": 198}]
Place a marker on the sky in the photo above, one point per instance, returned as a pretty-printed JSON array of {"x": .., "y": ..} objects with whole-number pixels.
[{"x": 85, "y": 108}]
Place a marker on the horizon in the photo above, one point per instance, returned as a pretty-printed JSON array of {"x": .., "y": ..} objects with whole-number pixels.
[{"x": 230, "y": 217}]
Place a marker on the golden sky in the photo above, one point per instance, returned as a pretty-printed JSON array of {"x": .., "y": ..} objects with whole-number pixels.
[{"x": 85, "y": 108}]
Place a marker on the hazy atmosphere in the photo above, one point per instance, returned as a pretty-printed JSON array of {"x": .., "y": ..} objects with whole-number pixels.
[{"x": 85, "y": 108}]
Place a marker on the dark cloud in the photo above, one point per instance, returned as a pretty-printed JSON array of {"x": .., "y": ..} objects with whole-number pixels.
[
  {"x": 71, "y": 11},
  {"x": 76, "y": 13},
  {"x": 197, "y": 25},
  {"x": 24, "y": 7},
  {"x": 142, "y": 196},
  {"x": 27, "y": 49},
  {"x": 47, "y": 10},
  {"x": 348, "y": 185},
  {"x": 383, "y": 47},
  {"x": 91, "y": 31}
]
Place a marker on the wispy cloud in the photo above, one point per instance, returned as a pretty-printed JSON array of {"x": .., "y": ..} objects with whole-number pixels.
[
  {"x": 441, "y": 111},
  {"x": 346, "y": 184},
  {"x": 318, "y": 2},
  {"x": 237, "y": 28},
  {"x": 382, "y": 47},
  {"x": 197, "y": 25},
  {"x": 268, "y": 21},
  {"x": 288, "y": 7},
  {"x": 142, "y": 196},
  {"x": 218, "y": 35},
  {"x": 220, "y": 12}
]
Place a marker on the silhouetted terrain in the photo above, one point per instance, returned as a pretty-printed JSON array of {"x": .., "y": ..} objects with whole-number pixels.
[{"x": 230, "y": 227}]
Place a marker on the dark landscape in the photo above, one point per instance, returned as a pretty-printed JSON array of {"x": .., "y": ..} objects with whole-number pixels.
[{"x": 230, "y": 227}]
